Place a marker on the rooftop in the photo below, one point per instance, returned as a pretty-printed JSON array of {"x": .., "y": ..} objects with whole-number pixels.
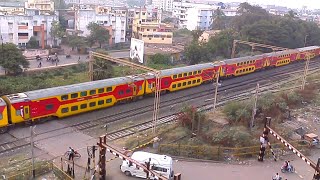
[{"x": 150, "y": 49}]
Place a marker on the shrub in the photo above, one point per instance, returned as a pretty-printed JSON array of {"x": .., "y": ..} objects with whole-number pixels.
[
  {"x": 238, "y": 111},
  {"x": 234, "y": 137}
]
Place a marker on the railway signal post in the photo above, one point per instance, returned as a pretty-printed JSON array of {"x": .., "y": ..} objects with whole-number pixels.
[{"x": 305, "y": 73}]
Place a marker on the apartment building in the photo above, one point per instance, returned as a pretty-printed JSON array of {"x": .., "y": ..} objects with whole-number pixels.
[
  {"x": 113, "y": 19},
  {"x": 18, "y": 29},
  {"x": 147, "y": 26},
  {"x": 44, "y": 6},
  {"x": 193, "y": 16},
  {"x": 165, "y": 5}
]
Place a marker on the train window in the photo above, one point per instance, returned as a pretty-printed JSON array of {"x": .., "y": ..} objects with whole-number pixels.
[
  {"x": 194, "y": 72},
  {"x": 92, "y": 104},
  {"x": 74, "y": 95},
  {"x": 166, "y": 83},
  {"x": 49, "y": 107},
  {"x": 101, "y": 102},
  {"x": 109, "y": 100},
  {"x": 74, "y": 108},
  {"x": 184, "y": 83},
  {"x": 1, "y": 116},
  {"x": 101, "y": 90},
  {"x": 179, "y": 75},
  {"x": 18, "y": 112},
  {"x": 198, "y": 80},
  {"x": 194, "y": 81},
  {"x": 83, "y": 106},
  {"x": 189, "y": 82},
  {"x": 128, "y": 91},
  {"x": 240, "y": 71},
  {"x": 190, "y": 73},
  {"x": 185, "y": 74},
  {"x": 121, "y": 92},
  {"x": 83, "y": 93},
  {"x": 199, "y": 72},
  {"x": 179, "y": 84},
  {"x": 174, "y": 86},
  {"x": 65, "y": 110},
  {"x": 93, "y": 92},
  {"x": 109, "y": 89},
  {"x": 241, "y": 64},
  {"x": 175, "y": 76},
  {"x": 64, "y": 97}
]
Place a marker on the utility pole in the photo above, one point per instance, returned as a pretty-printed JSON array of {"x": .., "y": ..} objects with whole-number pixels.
[
  {"x": 305, "y": 40},
  {"x": 305, "y": 73},
  {"x": 32, "y": 152},
  {"x": 199, "y": 119},
  {"x": 254, "y": 110},
  {"x": 216, "y": 91},
  {"x": 91, "y": 66}
]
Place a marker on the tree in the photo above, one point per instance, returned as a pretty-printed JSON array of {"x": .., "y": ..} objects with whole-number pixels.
[
  {"x": 12, "y": 59},
  {"x": 98, "y": 34},
  {"x": 102, "y": 69},
  {"x": 291, "y": 14},
  {"x": 33, "y": 43},
  {"x": 76, "y": 41},
  {"x": 196, "y": 34},
  {"x": 56, "y": 32},
  {"x": 59, "y": 4},
  {"x": 218, "y": 19},
  {"x": 160, "y": 59},
  {"x": 195, "y": 53}
]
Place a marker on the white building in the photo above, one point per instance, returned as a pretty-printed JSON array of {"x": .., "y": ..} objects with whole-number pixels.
[
  {"x": 193, "y": 16},
  {"x": 165, "y": 5},
  {"x": 18, "y": 29},
  {"x": 113, "y": 20}
]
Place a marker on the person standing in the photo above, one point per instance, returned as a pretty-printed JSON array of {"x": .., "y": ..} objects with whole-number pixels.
[{"x": 40, "y": 65}]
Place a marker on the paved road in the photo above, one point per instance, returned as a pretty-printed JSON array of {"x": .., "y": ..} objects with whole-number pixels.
[{"x": 69, "y": 61}]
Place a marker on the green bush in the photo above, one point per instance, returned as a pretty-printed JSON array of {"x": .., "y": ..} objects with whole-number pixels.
[
  {"x": 238, "y": 111},
  {"x": 234, "y": 137}
]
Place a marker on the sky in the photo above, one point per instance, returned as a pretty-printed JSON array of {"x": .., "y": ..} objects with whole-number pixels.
[{"x": 311, "y": 4}]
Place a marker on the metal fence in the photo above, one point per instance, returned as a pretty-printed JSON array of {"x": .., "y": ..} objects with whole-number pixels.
[
  {"x": 220, "y": 153},
  {"x": 41, "y": 168}
]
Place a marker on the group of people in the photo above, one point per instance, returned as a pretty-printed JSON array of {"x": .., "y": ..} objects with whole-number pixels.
[
  {"x": 287, "y": 167},
  {"x": 53, "y": 60}
]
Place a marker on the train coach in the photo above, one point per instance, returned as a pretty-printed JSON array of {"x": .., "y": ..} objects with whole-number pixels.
[
  {"x": 3, "y": 113},
  {"x": 72, "y": 99}
]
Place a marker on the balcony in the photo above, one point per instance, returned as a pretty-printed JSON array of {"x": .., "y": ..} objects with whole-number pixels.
[
  {"x": 23, "y": 37},
  {"x": 37, "y": 28},
  {"x": 22, "y": 27}
]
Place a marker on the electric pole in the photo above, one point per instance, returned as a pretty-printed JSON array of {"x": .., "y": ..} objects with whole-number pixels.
[
  {"x": 216, "y": 91},
  {"x": 32, "y": 152},
  {"x": 91, "y": 66},
  {"x": 254, "y": 109},
  {"x": 305, "y": 73}
]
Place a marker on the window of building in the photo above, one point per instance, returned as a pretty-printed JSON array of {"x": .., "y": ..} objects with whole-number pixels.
[
  {"x": 101, "y": 102},
  {"x": 109, "y": 100},
  {"x": 109, "y": 89},
  {"x": 169, "y": 36},
  {"x": 150, "y": 38},
  {"x": 148, "y": 29},
  {"x": 64, "y": 97},
  {"x": 74, "y": 108},
  {"x": 83, "y": 93},
  {"x": 143, "y": 13},
  {"x": 162, "y": 38},
  {"x": 92, "y": 104},
  {"x": 101, "y": 90},
  {"x": 49, "y": 107},
  {"x": 74, "y": 95},
  {"x": 65, "y": 110},
  {"x": 83, "y": 106},
  {"x": 93, "y": 92},
  {"x": 154, "y": 30}
]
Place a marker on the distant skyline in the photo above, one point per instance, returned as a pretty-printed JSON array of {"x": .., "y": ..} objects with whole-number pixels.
[{"x": 311, "y": 4}]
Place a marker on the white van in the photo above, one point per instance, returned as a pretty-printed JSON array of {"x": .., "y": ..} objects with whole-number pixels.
[{"x": 161, "y": 164}]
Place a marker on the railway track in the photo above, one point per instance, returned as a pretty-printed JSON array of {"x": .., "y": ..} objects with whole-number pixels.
[{"x": 262, "y": 77}]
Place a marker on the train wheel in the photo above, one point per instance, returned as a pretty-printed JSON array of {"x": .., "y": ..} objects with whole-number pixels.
[{"x": 4, "y": 130}]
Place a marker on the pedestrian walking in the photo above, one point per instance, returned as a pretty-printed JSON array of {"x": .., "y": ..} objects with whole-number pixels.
[
  {"x": 40, "y": 64},
  {"x": 56, "y": 62},
  {"x": 79, "y": 59}
]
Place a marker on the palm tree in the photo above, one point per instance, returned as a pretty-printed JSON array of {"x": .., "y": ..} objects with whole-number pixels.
[{"x": 218, "y": 19}]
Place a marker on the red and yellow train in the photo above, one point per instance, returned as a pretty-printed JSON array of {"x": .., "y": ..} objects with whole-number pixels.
[{"x": 78, "y": 98}]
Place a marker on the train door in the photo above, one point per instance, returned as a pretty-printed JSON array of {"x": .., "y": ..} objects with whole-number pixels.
[
  {"x": 266, "y": 63},
  {"x": 26, "y": 112}
]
